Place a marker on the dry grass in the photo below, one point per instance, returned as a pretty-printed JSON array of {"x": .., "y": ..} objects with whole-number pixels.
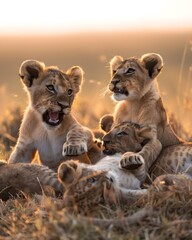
[
  {"x": 30, "y": 219},
  {"x": 170, "y": 208},
  {"x": 171, "y": 218},
  {"x": 9, "y": 131}
]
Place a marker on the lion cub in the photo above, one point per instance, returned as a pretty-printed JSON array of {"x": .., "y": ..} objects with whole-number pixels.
[
  {"x": 106, "y": 181},
  {"x": 135, "y": 87},
  {"x": 27, "y": 179},
  {"x": 136, "y": 138},
  {"x": 87, "y": 185},
  {"x": 48, "y": 126}
]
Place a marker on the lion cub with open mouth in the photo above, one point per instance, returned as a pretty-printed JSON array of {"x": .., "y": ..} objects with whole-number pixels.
[
  {"x": 48, "y": 126},
  {"x": 133, "y": 84}
]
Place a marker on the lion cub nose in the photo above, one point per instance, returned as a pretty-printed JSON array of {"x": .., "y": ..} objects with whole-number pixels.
[
  {"x": 106, "y": 140},
  {"x": 115, "y": 81},
  {"x": 113, "y": 84},
  {"x": 63, "y": 104}
]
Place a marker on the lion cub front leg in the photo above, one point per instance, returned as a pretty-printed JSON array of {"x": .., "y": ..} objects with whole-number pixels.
[
  {"x": 131, "y": 161},
  {"x": 148, "y": 153},
  {"x": 78, "y": 141},
  {"x": 24, "y": 151}
]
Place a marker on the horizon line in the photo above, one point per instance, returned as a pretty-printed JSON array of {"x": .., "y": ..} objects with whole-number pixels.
[{"x": 96, "y": 31}]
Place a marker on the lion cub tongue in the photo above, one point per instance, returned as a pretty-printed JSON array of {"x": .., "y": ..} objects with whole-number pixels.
[{"x": 53, "y": 116}]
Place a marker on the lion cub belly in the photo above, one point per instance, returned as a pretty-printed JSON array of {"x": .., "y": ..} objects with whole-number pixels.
[
  {"x": 125, "y": 179},
  {"x": 50, "y": 150},
  {"x": 122, "y": 178}
]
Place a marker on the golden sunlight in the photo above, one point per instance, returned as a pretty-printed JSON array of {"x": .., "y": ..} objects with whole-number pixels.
[{"x": 60, "y": 16}]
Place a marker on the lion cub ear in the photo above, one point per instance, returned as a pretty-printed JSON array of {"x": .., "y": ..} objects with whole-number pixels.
[
  {"x": 76, "y": 77},
  {"x": 153, "y": 62},
  {"x": 67, "y": 172},
  {"x": 30, "y": 70},
  {"x": 114, "y": 63},
  {"x": 106, "y": 122}
]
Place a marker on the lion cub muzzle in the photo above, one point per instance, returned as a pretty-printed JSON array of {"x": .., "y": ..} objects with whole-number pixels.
[
  {"x": 116, "y": 87},
  {"x": 119, "y": 91},
  {"x": 53, "y": 118}
]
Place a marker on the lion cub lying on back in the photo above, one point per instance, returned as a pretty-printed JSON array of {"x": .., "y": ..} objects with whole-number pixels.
[
  {"x": 47, "y": 126},
  {"x": 86, "y": 183},
  {"x": 134, "y": 86},
  {"x": 109, "y": 179}
]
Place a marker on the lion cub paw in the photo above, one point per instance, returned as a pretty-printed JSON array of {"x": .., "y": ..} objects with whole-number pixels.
[
  {"x": 131, "y": 161},
  {"x": 75, "y": 149}
]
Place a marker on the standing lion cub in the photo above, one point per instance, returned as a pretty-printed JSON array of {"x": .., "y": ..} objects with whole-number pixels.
[{"x": 47, "y": 126}]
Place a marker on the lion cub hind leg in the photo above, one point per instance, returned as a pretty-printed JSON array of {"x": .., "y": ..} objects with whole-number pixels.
[
  {"x": 68, "y": 171},
  {"x": 166, "y": 181},
  {"x": 131, "y": 195}
]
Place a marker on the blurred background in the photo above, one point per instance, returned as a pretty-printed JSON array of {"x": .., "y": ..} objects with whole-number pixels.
[{"x": 89, "y": 34}]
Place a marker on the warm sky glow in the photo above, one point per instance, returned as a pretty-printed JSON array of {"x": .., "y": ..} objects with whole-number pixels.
[{"x": 57, "y": 16}]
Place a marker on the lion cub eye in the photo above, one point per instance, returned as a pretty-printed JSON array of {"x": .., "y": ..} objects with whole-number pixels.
[
  {"x": 129, "y": 71},
  {"x": 91, "y": 180},
  {"x": 121, "y": 134},
  {"x": 70, "y": 92},
  {"x": 114, "y": 71},
  {"x": 51, "y": 88}
]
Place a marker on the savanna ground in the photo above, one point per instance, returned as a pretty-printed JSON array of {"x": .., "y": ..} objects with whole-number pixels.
[{"x": 169, "y": 211}]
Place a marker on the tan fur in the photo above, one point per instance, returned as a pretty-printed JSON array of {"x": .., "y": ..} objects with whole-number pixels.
[
  {"x": 112, "y": 180},
  {"x": 106, "y": 122},
  {"x": 27, "y": 179},
  {"x": 87, "y": 186},
  {"x": 167, "y": 181},
  {"x": 134, "y": 85},
  {"x": 47, "y": 126},
  {"x": 136, "y": 143},
  {"x": 172, "y": 160}
]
